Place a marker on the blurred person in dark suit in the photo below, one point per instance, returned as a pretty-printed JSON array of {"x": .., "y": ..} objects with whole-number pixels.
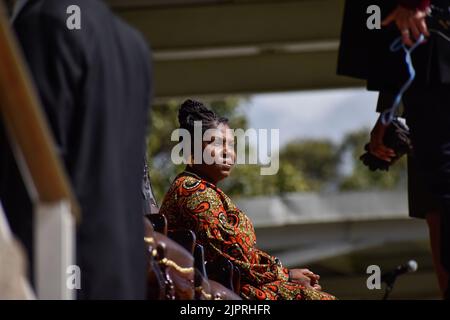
[
  {"x": 366, "y": 54},
  {"x": 95, "y": 88}
]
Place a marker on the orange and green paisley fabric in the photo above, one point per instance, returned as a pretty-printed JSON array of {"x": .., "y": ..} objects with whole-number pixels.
[{"x": 222, "y": 229}]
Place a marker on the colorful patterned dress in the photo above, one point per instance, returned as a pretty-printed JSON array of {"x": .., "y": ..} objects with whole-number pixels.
[{"x": 222, "y": 229}]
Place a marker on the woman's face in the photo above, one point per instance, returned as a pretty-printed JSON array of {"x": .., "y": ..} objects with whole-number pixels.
[{"x": 220, "y": 151}]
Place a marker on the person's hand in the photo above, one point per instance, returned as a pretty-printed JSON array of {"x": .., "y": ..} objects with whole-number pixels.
[
  {"x": 306, "y": 278},
  {"x": 408, "y": 22},
  {"x": 376, "y": 145}
]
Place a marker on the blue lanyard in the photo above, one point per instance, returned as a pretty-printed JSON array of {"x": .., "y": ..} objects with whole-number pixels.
[{"x": 389, "y": 115}]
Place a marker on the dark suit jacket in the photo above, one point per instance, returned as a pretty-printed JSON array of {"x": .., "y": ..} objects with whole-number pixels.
[
  {"x": 366, "y": 54},
  {"x": 94, "y": 86}
]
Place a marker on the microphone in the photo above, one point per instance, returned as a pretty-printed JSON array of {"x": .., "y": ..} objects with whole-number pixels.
[{"x": 390, "y": 277}]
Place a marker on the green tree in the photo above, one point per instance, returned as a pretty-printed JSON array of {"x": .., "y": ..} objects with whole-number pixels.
[{"x": 316, "y": 160}]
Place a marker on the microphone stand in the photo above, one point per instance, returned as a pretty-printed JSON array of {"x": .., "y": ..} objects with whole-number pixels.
[
  {"x": 389, "y": 281},
  {"x": 390, "y": 278},
  {"x": 388, "y": 290}
]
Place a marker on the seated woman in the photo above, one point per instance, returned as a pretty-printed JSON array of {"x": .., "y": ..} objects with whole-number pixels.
[{"x": 195, "y": 202}]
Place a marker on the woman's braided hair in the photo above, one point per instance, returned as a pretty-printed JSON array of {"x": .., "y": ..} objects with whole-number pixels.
[{"x": 192, "y": 110}]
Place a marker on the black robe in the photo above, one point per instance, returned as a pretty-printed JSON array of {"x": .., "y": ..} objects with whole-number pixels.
[
  {"x": 366, "y": 54},
  {"x": 95, "y": 88}
]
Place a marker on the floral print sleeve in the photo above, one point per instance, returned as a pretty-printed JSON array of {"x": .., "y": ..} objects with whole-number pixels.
[{"x": 224, "y": 230}]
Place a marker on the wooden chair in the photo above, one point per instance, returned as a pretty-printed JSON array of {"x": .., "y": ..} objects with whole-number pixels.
[
  {"x": 156, "y": 279},
  {"x": 184, "y": 237},
  {"x": 205, "y": 288},
  {"x": 158, "y": 221},
  {"x": 178, "y": 266},
  {"x": 221, "y": 270},
  {"x": 185, "y": 276},
  {"x": 170, "y": 267},
  {"x": 199, "y": 260}
]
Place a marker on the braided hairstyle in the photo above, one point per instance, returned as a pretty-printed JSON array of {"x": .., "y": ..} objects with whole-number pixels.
[{"x": 192, "y": 110}]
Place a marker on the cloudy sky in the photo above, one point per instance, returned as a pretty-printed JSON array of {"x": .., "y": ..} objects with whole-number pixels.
[{"x": 313, "y": 114}]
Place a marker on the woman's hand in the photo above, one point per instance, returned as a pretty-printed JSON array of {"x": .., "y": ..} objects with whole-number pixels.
[
  {"x": 408, "y": 22},
  {"x": 376, "y": 145},
  {"x": 306, "y": 278}
]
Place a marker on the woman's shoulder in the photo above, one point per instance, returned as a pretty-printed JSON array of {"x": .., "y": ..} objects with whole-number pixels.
[
  {"x": 193, "y": 193},
  {"x": 180, "y": 191},
  {"x": 187, "y": 179},
  {"x": 187, "y": 184}
]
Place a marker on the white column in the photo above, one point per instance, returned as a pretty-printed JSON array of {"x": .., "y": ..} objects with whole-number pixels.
[{"x": 54, "y": 250}]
